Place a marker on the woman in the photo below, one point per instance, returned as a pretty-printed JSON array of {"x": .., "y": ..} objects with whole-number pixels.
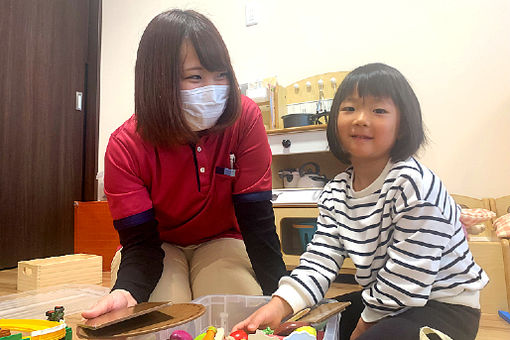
[{"x": 188, "y": 177}]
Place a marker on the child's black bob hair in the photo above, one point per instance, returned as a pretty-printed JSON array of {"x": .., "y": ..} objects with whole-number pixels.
[{"x": 380, "y": 80}]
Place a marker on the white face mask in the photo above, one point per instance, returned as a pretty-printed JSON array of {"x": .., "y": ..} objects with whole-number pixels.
[{"x": 203, "y": 106}]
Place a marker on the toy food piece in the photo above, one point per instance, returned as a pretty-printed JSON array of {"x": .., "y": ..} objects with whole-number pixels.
[
  {"x": 56, "y": 314},
  {"x": 308, "y": 329},
  {"x": 220, "y": 334},
  {"x": 261, "y": 335},
  {"x": 4, "y": 332},
  {"x": 304, "y": 334},
  {"x": 180, "y": 335},
  {"x": 200, "y": 336},
  {"x": 288, "y": 327},
  {"x": 210, "y": 333},
  {"x": 268, "y": 331},
  {"x": 239, "y": 335}
]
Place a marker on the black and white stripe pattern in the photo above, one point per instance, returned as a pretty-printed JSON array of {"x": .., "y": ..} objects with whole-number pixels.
[{"x": 403, "y": 235}]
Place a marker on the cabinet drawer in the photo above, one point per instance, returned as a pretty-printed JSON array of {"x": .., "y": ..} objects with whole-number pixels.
[{"x": 303, "y": 142}]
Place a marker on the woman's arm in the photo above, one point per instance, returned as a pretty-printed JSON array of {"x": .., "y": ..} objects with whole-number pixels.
[
  {"x": 142, "y": 260},
  {"x": 256, "y": 221},
  {"x": 140, "y": 269}
]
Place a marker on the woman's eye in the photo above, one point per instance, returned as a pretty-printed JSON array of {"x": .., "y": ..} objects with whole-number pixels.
[
  {"x": 347, "y": 108},
  {"x": 380, "y": 111},
  {"x": 223, "y": 74},
  {"x": 193, "y": 77}
]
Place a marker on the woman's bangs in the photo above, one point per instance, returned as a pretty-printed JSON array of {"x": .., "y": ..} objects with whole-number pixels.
[{"x": 210, "y": 51}]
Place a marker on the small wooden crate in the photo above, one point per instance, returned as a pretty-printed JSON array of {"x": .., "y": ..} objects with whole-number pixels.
[{"x": 51, "y": 271}]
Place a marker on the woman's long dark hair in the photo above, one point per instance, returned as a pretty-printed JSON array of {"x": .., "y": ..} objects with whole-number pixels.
[{"x": 160, "y": 119}]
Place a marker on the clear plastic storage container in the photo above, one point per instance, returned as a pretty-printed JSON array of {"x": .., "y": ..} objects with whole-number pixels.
[{"x": 227, "y": 310}]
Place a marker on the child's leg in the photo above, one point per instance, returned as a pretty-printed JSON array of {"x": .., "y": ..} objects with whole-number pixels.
[
  {"x": 456, "y": 321},
  {"x": 350, "y": 316},
  {"x": 222, "y": 266}
]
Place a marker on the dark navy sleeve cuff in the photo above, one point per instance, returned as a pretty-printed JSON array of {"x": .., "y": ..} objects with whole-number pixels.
[
  {"x": 253, "y": 197},
  {"x": 134, "y": 220}
]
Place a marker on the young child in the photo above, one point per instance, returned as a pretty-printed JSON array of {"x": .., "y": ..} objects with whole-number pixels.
[{"x": 392, "y": 216}]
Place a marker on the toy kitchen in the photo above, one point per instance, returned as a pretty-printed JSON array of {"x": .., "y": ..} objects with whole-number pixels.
[{"x": 295, "y": 118}]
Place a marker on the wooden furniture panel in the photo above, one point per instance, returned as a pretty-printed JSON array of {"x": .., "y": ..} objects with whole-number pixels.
[
  {"x": 273, "y": 108},
  {"x": 489, "y": 255},
  {"x": 292, "y": 258},
  {"x": 94, "y": 232},
  {"x": 306, "y": 94},
  {"x": 505, "y": 245},
  {"x": 501, "y": 205},
  {"x": 467, "y": 202}
]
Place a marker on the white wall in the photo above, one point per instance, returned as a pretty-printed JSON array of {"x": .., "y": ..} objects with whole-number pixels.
[{"x": 456, "y": 55}]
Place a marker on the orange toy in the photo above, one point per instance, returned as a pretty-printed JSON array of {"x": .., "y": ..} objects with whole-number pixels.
[{"x": 211, "y": 332}]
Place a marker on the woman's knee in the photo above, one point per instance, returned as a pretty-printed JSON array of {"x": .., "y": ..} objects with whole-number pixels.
[
  {"x": 222, "y": 267},
  {"x": 174, "y": 284}
]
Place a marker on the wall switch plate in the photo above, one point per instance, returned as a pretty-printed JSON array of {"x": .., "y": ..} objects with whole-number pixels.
[{"x": 251, "y": 14}]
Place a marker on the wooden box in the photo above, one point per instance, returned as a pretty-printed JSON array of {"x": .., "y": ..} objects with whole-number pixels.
[{"x": 51, "y": 271}]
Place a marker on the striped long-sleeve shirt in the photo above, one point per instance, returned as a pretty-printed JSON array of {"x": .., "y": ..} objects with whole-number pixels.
[{"x": 402, "y": 233}]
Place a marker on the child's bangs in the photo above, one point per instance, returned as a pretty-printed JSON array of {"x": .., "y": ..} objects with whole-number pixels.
[{"x": 376, "y": 84}]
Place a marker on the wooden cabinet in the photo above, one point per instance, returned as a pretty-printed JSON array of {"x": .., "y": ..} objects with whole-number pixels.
[
  {"x": 288, "y": 216},
  {"x": 94, "y": 232}
]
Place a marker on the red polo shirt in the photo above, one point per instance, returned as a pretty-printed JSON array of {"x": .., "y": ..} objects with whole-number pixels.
[{"x": 188, "y": 189}]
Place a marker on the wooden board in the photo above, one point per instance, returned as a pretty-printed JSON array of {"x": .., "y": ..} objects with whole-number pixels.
[
  {"x": 324, "y": 312},
  {"x": 123, "y": 314},
  {"x": 166, "y": 317}
]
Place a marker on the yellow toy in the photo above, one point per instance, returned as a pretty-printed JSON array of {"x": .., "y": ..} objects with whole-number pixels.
[{"x": 36, "y": 329}]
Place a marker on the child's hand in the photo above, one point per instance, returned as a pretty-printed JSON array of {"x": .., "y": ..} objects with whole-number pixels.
[{"x": 269, "y": 315}]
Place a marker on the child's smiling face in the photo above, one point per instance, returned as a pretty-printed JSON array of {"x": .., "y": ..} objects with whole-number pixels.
[{"x": 368, "y": 127}]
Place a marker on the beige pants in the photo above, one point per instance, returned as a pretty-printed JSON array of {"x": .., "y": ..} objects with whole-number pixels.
[{"x": 219, "y": 266}]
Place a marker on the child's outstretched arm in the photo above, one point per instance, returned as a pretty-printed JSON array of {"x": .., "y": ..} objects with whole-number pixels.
[{"x": 269, "y": 315}]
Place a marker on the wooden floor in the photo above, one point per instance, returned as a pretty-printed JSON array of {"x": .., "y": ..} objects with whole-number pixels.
[{"x": 492, "y": 327}]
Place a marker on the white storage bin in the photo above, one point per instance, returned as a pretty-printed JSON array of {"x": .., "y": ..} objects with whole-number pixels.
[{"x": 227, "y": 310}]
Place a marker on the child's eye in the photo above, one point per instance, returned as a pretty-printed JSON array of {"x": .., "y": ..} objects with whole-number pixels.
[
  {"x": 380, "y": 111},
  {"x": 347, "y": 108}
]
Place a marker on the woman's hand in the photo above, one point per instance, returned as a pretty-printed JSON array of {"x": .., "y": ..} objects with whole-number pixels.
[
  {"x": 269, "y": 315},
  {"x": 117, "y": 299},
  {"x": 361, "y": 327}
]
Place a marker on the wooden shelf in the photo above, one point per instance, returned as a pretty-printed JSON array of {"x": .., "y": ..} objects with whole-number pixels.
[{"x": 297, "y": 129}]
